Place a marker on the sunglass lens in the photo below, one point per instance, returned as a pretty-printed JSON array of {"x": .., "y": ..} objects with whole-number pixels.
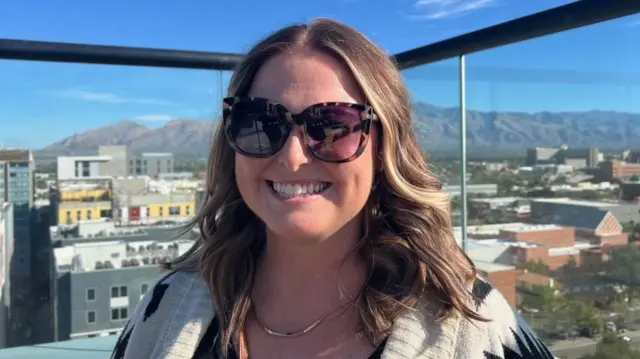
[
  {"x": 257, "y": 130},
  {"x": 334, "y": 133}
]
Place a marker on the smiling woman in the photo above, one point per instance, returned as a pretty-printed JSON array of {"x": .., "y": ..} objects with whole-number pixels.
[{"x": 316, "y": 245}]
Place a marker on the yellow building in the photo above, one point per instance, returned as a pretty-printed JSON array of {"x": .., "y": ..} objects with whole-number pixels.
[
  {"x": 154, "y": 207},
  {"x": 72, "y": 212},
  {"x": 75, "y": 205}
]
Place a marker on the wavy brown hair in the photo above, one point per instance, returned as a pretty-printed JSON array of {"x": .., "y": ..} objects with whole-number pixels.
[{"x": 408, "y": 240}]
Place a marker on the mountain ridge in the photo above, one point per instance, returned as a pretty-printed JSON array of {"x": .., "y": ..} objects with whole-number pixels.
[{"x": 436, "y": 127}]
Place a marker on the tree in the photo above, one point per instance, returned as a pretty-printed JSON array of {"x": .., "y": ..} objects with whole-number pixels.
[
  {"x": 537, "y": 267},
  {"x": 613, "y": 347},
  {"x": 624, "y": 266},
  {"x": 542, "y": 298}
]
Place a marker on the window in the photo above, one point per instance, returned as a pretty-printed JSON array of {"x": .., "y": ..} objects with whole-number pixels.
[
  {"x": 161, "y": 209},
  {"x": 78, "y": 215},
  {"x": 148, "y": 210},
  {"x": 144, "y": 288},
  {"x": 89, "y": 214},
  {"x": 187, "y": 210},
  {"x": 91, "y": 294},
  {"x": 119, "y": 313},
  {"x": 119, "y": 291},
  {"x": 69, "y": 220},
  {"x": 174, "y": 210},
  {"x": 91, "y": 316}
]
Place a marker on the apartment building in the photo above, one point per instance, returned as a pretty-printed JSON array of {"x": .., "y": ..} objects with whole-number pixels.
[
  {"x": 152, "y": 208},
  {"x": 82, "y": 200},
  {"x": 101, "y": 273},
  {"x": 78, "y": 167},
  {"x": 574, "y": 157},
  {"x": 17, "y": 188},
  {"x": 124, "y": 163}
]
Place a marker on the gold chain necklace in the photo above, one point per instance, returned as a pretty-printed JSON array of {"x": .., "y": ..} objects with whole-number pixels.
[{"x": 299, "y": 332}]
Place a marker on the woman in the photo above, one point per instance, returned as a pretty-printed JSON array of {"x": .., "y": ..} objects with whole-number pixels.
[{"x": 324, "y": 235}]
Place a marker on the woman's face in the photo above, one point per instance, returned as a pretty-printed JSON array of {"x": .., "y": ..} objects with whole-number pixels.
[{"x": 298, "y": 81}]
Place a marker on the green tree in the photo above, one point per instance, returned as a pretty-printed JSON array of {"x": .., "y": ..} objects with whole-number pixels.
[
  {"x": 624, "y": 266},
  {"x": 537, "y": 267},
  {"x": 542, "y": 298}
]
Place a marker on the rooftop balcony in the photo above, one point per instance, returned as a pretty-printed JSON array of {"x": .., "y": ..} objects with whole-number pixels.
[{"x": 547, "y": 123}]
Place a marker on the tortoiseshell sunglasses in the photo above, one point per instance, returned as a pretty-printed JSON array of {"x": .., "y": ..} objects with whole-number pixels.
[{"x": 334, "y": 132}]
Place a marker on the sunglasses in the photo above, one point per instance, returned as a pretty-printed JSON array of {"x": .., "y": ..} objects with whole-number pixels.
[{"x": 334, "y": 132}]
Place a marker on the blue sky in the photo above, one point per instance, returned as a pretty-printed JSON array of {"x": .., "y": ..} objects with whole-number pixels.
[{"x": 590, "y": 68}]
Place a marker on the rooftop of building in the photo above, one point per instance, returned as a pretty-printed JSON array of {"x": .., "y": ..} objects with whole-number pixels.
[
  {"x": 489, "y": 229},
  {"x": 157, "y": 154},
  {"x": 496, "y": 200},
  {"x": 92, "y": 348},
  {"x": 93, "y": 158},
  {"x": 14, "y": 154},
  {"x": 527, "y": 228},
  {"x": 490, "y": 267},
  {"x": 104, "y": 229},
  {"x": 92, "y": 256},
  {"x": 576, "y": 202}
]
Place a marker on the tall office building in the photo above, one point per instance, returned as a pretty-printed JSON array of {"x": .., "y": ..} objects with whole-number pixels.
[
  {"x": 6, "y": 251},
  {"x": 17, "y": 187}
]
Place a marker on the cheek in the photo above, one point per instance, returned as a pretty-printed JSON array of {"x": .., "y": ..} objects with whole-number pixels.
[{"x": 247, "y": 171}]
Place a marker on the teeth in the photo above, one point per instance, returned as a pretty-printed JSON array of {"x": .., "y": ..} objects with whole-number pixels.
[{"x": 296, "y": 190}]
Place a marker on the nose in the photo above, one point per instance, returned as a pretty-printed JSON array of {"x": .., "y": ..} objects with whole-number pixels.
[{"x": 294, "y": 154}]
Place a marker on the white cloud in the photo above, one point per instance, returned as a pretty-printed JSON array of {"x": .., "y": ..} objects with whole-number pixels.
[
  {"x": 155, "y": 118},
  {"x": 441, "y": 9},
  {"x": 84, "y": 94}
]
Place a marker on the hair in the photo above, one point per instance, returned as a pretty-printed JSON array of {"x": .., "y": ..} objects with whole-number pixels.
[{"x": 408, "y": 242}]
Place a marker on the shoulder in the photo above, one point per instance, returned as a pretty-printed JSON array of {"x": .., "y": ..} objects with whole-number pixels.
[
  {"x": 505, "y": 334},
  {"x": 178, "y": 298}
]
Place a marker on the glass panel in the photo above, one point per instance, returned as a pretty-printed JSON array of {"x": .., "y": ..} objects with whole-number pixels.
[
  {"x": 554, "y": 123},
  {"x": 435, "y": 91},
  {"x": 97, "y": 152}
]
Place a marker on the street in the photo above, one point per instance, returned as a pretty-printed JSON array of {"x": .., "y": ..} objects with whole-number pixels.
[{"x": 574, "y": 349}]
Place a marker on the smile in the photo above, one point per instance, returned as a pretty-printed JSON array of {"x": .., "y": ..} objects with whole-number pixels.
[{"x": 289, "y": 190}]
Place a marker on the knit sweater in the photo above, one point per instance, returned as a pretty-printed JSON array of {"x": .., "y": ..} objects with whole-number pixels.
[{"x": 173, "y": 318}]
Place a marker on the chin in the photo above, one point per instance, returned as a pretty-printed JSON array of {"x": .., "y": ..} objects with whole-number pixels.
[{"x": 303, "y": 231}]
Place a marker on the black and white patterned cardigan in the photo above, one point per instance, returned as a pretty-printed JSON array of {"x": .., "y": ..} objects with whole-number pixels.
[{"x": 173, "y": 321}]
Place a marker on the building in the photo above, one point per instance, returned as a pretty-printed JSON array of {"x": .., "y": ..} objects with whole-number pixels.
[
  {"x": 594, "y": 222},
  {"x": 124, "y": 163},
  {"x": 78, "y": 167},
  {"x": 119, "y": 158},
  {"x": 489, "y": 189},
  {"x": 101, "y": 272},
  {"x": 82, "y": 200},
  {"x": 615, "y": 169},
  {"x": 17, "y": 188},
  {"x": 574, "y": 157},
  {"x": 152, "y": 208},
  {"x": 151, "y": 164},
  {"x": 6, "y": 251}
]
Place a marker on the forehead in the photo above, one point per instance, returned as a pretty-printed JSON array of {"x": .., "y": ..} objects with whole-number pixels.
[{"x": 301, "y": 79}]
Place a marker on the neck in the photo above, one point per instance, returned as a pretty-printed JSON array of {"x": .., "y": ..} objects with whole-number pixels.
[{"x": 296, "y": 283}]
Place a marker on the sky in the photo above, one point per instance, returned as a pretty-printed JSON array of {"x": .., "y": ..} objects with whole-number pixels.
[{"x": 40, "y": 103}]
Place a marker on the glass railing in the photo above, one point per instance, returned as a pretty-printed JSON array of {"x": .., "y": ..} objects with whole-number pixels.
[
  {"x": 545, "y": 203},
  {"x": 72, "y": 133},
  {"x": 553, "y": 159}
]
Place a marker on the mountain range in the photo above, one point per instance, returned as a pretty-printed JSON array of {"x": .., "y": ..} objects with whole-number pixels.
[{"x": 437, "y": 129}]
